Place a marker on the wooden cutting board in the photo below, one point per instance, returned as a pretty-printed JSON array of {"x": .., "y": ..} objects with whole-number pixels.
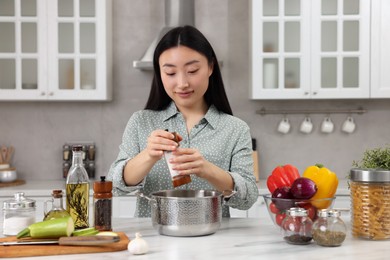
[{"x": 45, "y": 250}]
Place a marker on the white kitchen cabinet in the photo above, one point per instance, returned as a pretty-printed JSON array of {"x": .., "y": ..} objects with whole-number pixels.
[
  {"x": 380, "y": 52},
  {"x": 124, "y": 206},
  {"x": 259, "y": 209},
  {"x": 55, "y": 50},
  {"x": 310, "y": 49},
  {"x": 236, "y": 213}
]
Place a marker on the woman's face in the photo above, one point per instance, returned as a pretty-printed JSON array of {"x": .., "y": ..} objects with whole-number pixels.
[{"x": 185, "y": 75}]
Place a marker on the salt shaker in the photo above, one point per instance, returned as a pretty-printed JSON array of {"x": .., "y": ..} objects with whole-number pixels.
[
  {"x": 19, "y": 213},
  {"x": 329, "y": 229},
  {"x": 297, "y": 227}
]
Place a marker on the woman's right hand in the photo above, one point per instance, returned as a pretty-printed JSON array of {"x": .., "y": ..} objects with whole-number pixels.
[{"x": 160, "y": 141}]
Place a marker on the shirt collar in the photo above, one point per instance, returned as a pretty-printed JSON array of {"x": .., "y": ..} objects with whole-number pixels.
[
  {"x": 212, "y": 115},
  {"x": 171, "y": 111}
]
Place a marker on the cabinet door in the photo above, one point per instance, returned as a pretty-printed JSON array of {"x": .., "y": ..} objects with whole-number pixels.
[
  {"x": 259, "y": 210},
  {"x": 380, "y": 53},
  {"x": 340, "y": 48},
  {"x": 236, "y": 213},
  {"x": 78, "y": 50},
  {"x": 55, "y": 50},
  {"x": 22, "y": 35},
  {"x": 124, "y": 207},
  {"x": 280, "y": 49},
  {"x": 310, "y": 49}
]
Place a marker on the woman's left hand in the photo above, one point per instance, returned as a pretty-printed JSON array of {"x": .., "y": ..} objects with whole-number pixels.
[{"x": 189, "y": 161}]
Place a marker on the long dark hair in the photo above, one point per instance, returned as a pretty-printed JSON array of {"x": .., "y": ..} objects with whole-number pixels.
[{"x": 192, "y": 38}]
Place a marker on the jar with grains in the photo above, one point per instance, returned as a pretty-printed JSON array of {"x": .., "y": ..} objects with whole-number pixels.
[
  {"x": 297, "y": 227},
  {"x": 370, "y": 203},
  {"x": 19, "y": 213},
  {"x": 329, "y": 229}
]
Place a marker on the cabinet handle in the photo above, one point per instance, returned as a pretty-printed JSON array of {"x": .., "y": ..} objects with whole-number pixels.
[
  {"x": 51, "y": 93},
  {"x": 315, "y": 93},
  {"x": 43, "y": 93},
  {"x": 306, "y": 93}
]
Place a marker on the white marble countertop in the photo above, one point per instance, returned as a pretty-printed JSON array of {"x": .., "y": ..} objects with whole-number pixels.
[
  {"x": 246, "y": 238},
  {"x": 44, "y": 188}
]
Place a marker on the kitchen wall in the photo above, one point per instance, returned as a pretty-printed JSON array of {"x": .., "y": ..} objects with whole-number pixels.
[{"x": 39, "y": 129}]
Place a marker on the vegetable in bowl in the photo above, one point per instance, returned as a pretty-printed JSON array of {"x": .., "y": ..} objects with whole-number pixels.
[{"x": 278, "y": 213}]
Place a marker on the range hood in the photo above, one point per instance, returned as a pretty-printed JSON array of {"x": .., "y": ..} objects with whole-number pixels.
[{"x": 177, "y": 13}]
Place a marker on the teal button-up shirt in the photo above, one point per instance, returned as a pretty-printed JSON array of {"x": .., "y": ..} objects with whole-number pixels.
[{"x": 222, "y": 139}]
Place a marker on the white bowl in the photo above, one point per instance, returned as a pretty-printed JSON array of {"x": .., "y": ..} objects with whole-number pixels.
[
  {"x": 8, "y": 175},
  {"x": 4, "y": 166}
]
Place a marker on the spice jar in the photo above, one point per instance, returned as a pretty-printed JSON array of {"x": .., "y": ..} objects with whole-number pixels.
[
  {"x": 19, "y": 213},
  {"x": 177, "y": 180},
  {"x": 102, "y": 200},
  {"x": 297, "y": 227},
  {"x": 370, "y": 203},
  {"x": 329, "y": 229}
]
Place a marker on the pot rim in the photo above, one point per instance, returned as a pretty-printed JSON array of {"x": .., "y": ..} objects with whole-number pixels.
[{"x": 213, "y": 194}]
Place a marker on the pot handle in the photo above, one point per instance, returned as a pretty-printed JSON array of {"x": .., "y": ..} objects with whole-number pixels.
[
  {"x": 227, "y": 194},
  {"x": 152, "y": 201}
]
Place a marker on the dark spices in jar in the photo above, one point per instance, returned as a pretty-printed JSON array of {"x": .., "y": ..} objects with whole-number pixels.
[
  {"x": 103, "y": 213},
  {"x": 102, "y": 198},
  {"x": 298, "y": 239},
  {"x": 297, "y": 227}
]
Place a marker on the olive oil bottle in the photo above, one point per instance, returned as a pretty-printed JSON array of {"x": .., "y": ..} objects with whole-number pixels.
[
  {"x": 77, "y": 190},
  {"x": 57, "y": 210}
]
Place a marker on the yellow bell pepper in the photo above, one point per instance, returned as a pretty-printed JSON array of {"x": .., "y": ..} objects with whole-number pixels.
[{"x": 326, "y": 182}]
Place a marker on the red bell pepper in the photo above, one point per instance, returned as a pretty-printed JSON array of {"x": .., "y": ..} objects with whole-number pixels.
[{"x": 282, "y": 176}]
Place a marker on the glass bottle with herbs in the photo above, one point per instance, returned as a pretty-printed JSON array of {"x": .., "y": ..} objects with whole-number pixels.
[
  {"x": 102, "y": 201},
  {"x": 57, "y": 209},
  {"x": 77, "y": 190},
  {"x": 329, "y": 229}
]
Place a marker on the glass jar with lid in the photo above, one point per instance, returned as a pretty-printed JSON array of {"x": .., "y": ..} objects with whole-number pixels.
[
  {"x": 18, "y": 214},
  {"x": 297, "y": 227},
  {"x": 370, "y": 203},
  {"x": 329, "y": 229}
]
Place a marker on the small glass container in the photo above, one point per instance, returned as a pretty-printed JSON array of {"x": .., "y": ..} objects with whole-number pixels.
[
  {"x": 19, "y": 213},
  {"x": 370, "y": 203},
  {"x": 102, "y": 200},
  {"x": 329, "y": 229},
  {"x": 297, "y": 227},
  {"x": 177, "y": 180},
  {"x": 57, "y": 209}
]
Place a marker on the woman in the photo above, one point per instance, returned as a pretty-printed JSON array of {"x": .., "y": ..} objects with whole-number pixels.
[{"x": 188, "y": 97}]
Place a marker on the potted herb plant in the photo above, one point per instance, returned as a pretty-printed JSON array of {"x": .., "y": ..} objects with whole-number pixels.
[{"x": 370, "y": 195}]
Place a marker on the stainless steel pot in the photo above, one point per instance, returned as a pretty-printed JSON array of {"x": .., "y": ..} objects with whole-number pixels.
[{"x": 187, "y": 212}]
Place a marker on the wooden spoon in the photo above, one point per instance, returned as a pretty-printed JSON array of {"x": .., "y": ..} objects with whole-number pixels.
[
  {"x": 10, "y": 152},
  {"x": 4, "y": 151}
]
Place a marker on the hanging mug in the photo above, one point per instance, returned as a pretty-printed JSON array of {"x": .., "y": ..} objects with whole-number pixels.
[
  {"x": 306, "y": 126},
  {"x": 327, "y": 125},
  {"x": 284, "y": 126},
  {"x": 349, "y": 125}
]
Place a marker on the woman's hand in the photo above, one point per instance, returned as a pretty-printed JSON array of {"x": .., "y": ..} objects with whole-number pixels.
[
  {"x": 160, "y": 141},
  {"x": 189, "y": 161}
]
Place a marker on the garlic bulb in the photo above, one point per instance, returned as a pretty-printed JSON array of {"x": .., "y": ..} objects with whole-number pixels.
[{"x": 138, "y": 246}]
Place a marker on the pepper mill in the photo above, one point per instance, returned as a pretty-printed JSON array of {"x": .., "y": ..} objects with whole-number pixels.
[{"x": 102, "y": 201}]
